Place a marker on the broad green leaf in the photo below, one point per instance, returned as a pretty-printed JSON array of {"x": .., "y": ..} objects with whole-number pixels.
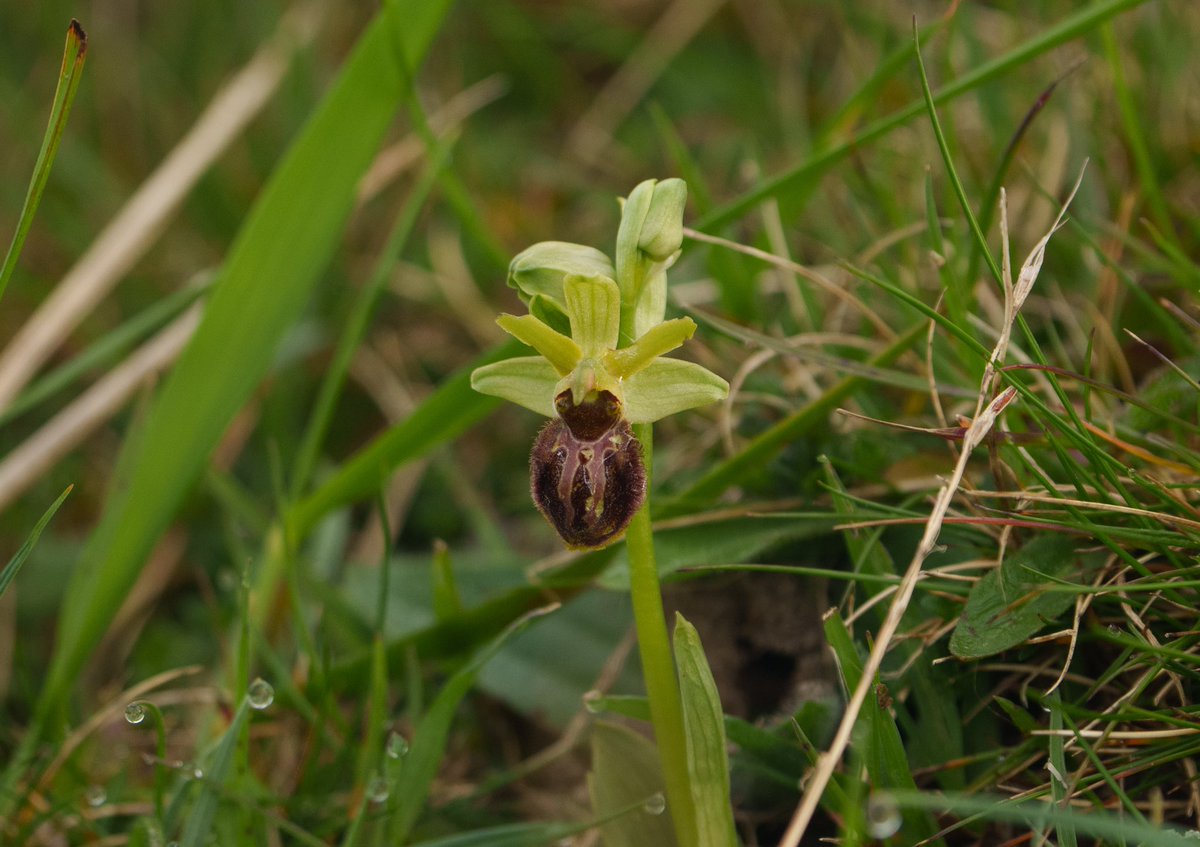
[
  {"x": 1014, "y": 601},
  {"x": 546, "y": 670},
  {"x": 712, "y": 542},
  {"x": 266, "y": 281},
  {"x": 9, "y": 571},
  {"x": 704, "y": 725},
  {"x": 626, "y": 773}
]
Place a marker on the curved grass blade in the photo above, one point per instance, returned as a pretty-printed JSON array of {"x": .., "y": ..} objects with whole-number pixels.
[
  {"x": 9, "y": 571},
  {"x": 410, "y": 786},
  {"x": 199, "y": 825},
  {"x": 446, "y": 413},
  {"x": 1072, "y": 27},
  {"x": 64, "y": 95}
]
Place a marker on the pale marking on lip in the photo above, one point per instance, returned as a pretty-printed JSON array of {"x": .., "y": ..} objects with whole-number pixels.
[{"x": 588, "y": 458}]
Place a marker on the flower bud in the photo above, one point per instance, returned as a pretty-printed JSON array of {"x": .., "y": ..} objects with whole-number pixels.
[{"x": 661, "y": 234}]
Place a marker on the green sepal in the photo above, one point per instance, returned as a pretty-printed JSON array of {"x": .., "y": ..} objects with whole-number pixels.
[
  {"x": 542, "y": 268},
  {"x": 528, "y": 381},
  {"x": 563, "y": 353},
  {"x": 668, "y": 386}
]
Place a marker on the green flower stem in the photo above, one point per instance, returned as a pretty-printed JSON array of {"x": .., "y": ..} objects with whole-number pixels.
[{"x": 658, "y": 665}]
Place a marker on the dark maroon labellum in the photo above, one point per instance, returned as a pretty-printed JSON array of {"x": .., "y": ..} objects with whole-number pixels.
[{"x": 586, "y": 471}]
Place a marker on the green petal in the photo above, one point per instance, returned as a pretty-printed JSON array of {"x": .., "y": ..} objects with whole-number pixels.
[
  {"x": 668, "y": 386},
  {"x": 526, "y": 380},
  {"x": 659, "y": 339},
  {"x": 541, "y": 269},
  {"x": 594, "y": 306},
  {"x": 563, "y": 353}
]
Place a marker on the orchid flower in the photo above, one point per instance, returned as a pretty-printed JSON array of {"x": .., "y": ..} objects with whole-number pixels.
[{"x": 587, "y": 473}]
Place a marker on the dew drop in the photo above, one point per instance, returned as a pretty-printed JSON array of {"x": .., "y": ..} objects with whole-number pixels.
[
  {"x": 655, "y": 804},
  {"x": 260, "y": 694},
  {"x": 197, "y": 772},
  {"x": 377, "y": 788},
  {"x": 95, "y": 795},
  {"x": 883, "y": 815},
  {"x": 397, "y": 745},
  {"x": 135, "y": 713}
]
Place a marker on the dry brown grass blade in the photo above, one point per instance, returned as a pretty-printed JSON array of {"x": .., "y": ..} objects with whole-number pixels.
[
  {"x": 37, "y": 454},
  {"x": 593, "y": 132},
  {"x": 145, "y": 215},
  {"x": 985, "y": 416}
]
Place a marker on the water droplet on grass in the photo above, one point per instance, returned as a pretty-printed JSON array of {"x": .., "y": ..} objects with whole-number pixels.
[
  {"x": 655, "y": 804},
  {"x": 377, "y": 788},
  {"x": 260, "y": 694},
  {"x": 95, "y": 795},
  {"x": 883, "y": 815},
  {"x": 135, "y": 713},
  {"x": 397, "y": 745}
]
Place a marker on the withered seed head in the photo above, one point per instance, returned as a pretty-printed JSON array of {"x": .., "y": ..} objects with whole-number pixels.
[{"x": 586, "y": 471}]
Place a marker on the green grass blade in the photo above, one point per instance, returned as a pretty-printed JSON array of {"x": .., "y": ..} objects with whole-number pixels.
[
  {"x": 878, "y": 737},
  {"x": 1036, "y": 814},
  {"x": 200, "y": 819},
  {"x": 105, "y": 351},
  {"x": 512, "y": 835},
  {"x": 266, "y": 281},
  {"x": 760, "y": 451},
  {"x": 1072, "y": 27},
  {"x": 9, "y": 572},
  {"x": 359, "y": 319},
  {"x": 957, "y": 295},
  {"x": 704, "y": 726},
  {"x": 445, "y": 414},
  {"x": 411, "y": 785},
  {"x": 74, "y": 54},
  {"x": 1139, "y": 149}
]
